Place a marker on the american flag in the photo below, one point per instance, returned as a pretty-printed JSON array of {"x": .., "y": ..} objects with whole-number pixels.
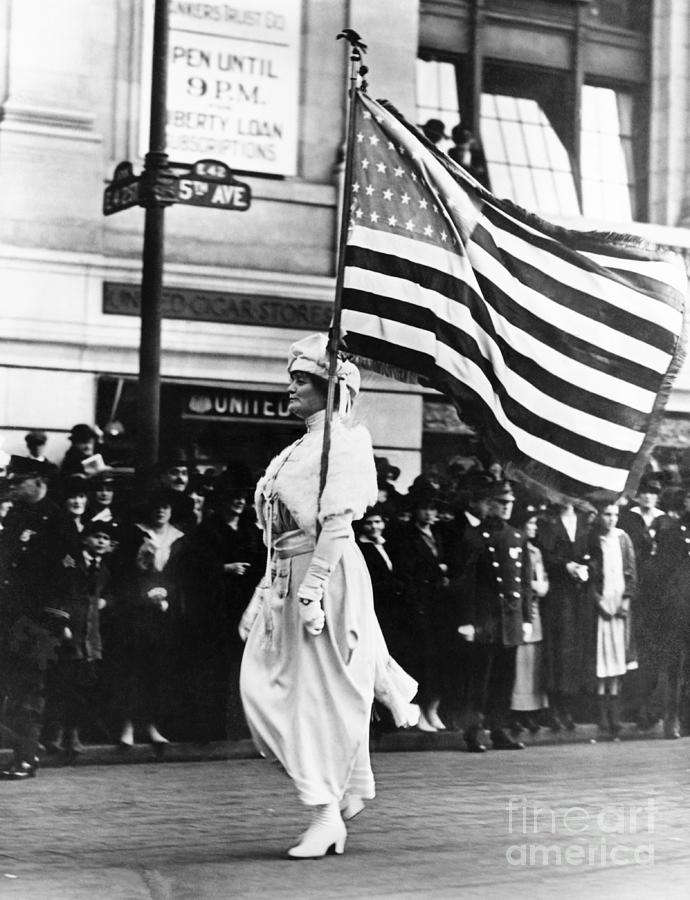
[{"x": 559, "y": 346}]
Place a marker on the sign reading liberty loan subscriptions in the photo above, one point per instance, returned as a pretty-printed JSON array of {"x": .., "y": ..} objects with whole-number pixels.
[{"x": 233, "y": 83}]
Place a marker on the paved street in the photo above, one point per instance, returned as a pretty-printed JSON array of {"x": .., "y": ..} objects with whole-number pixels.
[{"x": 600, "y": 821}]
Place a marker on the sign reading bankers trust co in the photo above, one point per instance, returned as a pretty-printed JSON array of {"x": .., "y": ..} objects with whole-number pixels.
[{"x": 233, "y": 89}]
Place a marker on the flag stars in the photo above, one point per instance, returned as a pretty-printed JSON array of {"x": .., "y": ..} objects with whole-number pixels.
[
  {"x": 360, "y": 137},
  {"x": 409, "y": 225},
  {"x": 399, "y": 172},
  {"x": 388, "y": 194},
  {"x": 373, "y": 140},
  {"x": 391, "y": 145},
  {"x": 369, "y": 190},
  {"x": 366, "y": 114},
  {"x": 444, "y": 236},
  {"x": 373, "y": 217},
  {"x": 365, "y": 163},
  {"x": 359, "y": 214},
  {"x": 380, "y": 167},
  {"x": 405, "y": 198},
  {"x": 428, "y": 231},
  {"x": 355, "y": 187},
  {"x": 423, "y": 203},
  {"x": 392, "y": 221}
]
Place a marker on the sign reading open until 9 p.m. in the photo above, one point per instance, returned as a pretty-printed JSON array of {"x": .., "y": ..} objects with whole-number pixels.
[{"x": 233, "y": 83}]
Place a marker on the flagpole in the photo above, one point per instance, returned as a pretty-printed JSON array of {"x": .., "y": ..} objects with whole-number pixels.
[{"x": 357, "y": 49}]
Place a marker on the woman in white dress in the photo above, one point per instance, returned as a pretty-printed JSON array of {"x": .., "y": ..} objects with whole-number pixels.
[
  {"x": 315, "y": 652},
  {"x": 613, "y": 581}
]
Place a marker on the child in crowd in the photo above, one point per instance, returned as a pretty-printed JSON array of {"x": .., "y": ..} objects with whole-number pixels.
[
  {"x": 613, "y": 581},
  {"x": 82, "y": 588}
]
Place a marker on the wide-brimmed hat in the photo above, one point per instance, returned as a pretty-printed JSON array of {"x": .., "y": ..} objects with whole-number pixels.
[
  {"x": 98, "y": 527},
  {"x": 385, "y": 469},
  {"x": 21, "y": 467}
]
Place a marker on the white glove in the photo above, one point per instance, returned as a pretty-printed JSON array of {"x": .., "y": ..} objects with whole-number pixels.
[
  {"x": 526, "y": 631},
  {"x": 467, "y": 632},
  {"x": 312, "y": 616}
]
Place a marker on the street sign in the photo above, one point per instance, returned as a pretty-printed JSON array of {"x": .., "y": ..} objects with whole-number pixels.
[
  {"x": 123, "y": 190},
  {"x": 211, "y": 183},
  {"x": 207, "y": 182}
]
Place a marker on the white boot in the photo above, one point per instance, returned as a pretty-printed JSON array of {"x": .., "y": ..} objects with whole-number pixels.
[
  {"x": 350, "y": 806},
  {"x": 326, "y": 834},
  {"x": 424, "y": 724},
  {"x": 433, "y": 717}
]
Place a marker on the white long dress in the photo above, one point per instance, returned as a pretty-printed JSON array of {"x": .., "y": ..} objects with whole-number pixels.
[
  {"x": 307, "y": 698},
  {"x": 611, "y": 635}
]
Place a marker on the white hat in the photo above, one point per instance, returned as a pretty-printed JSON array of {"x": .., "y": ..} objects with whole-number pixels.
[{"x": 310, "y": 354}]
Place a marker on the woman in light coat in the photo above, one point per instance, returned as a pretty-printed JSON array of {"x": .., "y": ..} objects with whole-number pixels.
[{"x": 315, "y": 651}]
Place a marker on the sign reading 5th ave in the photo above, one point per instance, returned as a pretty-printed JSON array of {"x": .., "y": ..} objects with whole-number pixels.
[{"x": 211, "y": 184}]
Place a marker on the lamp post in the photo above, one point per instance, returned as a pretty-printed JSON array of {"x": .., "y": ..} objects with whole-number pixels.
[{"x": 157, "y": 192}]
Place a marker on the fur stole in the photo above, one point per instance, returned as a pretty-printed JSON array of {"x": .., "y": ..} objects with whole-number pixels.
[{"x": 293, "y": 477}]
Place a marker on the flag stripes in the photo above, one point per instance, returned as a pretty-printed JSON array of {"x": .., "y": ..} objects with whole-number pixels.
[{"x": 559, "y": 346}]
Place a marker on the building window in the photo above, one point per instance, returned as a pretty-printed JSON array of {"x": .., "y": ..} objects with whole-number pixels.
[
  {"x": 607, "y": 165},
  {"x": 527, "y": 136},
  {"x": 526, "y": 159},
  {"x": 437, "y": 95}
]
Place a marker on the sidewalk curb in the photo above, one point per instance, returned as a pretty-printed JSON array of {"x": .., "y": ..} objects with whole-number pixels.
[{"x": 403, "y": 741}]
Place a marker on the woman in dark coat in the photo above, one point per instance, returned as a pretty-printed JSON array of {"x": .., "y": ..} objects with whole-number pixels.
[
  {"x": 564, "y": 542},
  {"x": 148, "y": 614},
  {"x": 225, "y": 563},
  {"x": 424, "y": 573}
]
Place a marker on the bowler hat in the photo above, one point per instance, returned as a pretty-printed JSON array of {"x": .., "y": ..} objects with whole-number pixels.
[
  {"x": 82, "y": 432},
  {"x": 173, "y": 458},
  {"x": 434, "y": 129}
]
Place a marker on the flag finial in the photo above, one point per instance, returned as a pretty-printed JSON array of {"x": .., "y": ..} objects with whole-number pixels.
[{"x": 358, "y": 49}]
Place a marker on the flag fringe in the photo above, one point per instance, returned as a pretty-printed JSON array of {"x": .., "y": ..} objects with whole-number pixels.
[{"x": 381, "y": 368}]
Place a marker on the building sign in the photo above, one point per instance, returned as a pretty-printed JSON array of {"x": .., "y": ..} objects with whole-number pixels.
[
  {"x": 223, "y": 404},
  {"x": 233, "y": 83},
  {"x": 217, "y": 306}
]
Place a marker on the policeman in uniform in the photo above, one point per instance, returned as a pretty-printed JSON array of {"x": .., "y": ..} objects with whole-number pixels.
[
  {"x": 494, "y": 614},
  {"x": 673, "y": 638},
  {"x": 30, "y": 629}
]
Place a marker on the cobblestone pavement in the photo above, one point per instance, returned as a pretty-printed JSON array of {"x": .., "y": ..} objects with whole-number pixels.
[{"x": 601, "y": 821}]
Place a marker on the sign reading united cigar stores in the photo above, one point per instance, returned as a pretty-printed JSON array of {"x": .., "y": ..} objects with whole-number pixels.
[{"x": 215, "y": 306}]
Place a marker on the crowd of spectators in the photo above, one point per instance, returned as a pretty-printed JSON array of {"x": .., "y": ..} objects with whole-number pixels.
[{"x": 120, "y": 603}]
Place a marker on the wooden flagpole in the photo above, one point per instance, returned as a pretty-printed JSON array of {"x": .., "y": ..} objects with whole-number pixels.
[{"x": 358, "y": 48}]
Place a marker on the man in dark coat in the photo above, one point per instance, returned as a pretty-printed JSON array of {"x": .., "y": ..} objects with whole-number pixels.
[
  {"x": 645, "y": 524},
  {"x": 495, "y": 614},
  {"x": 673, "y": 634},
  {"x": 30, "y": 631}
]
